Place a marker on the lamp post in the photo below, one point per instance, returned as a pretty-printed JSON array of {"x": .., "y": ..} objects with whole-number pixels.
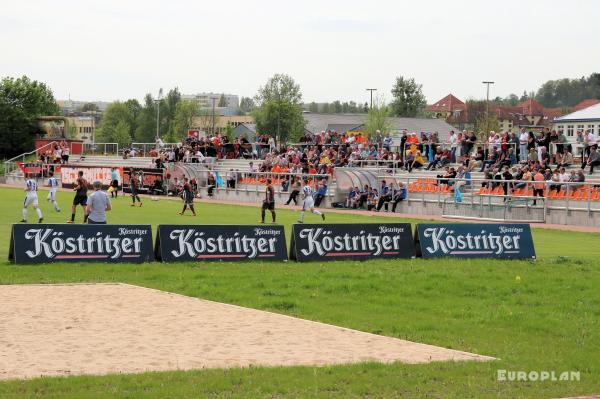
[
  {"x": 371, "y": 90},
  {"x": 158, "y": 113},
  {"x": 487, "y": 105}
]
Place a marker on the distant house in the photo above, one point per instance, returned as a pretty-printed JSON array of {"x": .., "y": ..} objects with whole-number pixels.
[
  {"x": 343, "y": 123},
  {"x": 585, "y": 119},
  {"x": 585, "y": 104},
  {"x": 529, "y": 114}
]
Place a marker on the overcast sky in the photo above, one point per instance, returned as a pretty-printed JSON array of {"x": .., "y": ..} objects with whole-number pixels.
[{"x": 119, "y": 49}]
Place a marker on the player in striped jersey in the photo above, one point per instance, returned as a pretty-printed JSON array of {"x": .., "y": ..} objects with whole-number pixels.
[
  {"x": 309, "y": 204},
  {"x": 31, "y": 198},
  {"x": 53, "y": 184}
]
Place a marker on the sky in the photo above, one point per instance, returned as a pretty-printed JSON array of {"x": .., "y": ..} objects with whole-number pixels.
[{"x": 119, "y": 49}]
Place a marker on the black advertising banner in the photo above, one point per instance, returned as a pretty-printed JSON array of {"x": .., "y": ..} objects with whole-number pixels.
[
  {"x": 219, "y": 243},
  {"x": 475, "y": 240},
  {"x": 351, "y": 241},
  {"x": 47, "y": 243}
]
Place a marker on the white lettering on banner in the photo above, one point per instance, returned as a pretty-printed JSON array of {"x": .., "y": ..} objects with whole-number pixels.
[
  {"x": 388, "y": 229},
  {"x": 193, "y": 243},
  {"x": 270, "y": 232},
  {"x": 446, "y": 241},
  {"x": 321, "y": 241},
  {"x": 52, "y": 243}
]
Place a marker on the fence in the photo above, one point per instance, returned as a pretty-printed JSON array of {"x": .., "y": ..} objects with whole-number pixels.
[
  {"x": 100, "y": 149},
  {"x": 556, "y": 196}
]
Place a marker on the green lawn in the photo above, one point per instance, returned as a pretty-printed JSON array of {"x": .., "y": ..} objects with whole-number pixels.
[{"x": 547, "y": 319}]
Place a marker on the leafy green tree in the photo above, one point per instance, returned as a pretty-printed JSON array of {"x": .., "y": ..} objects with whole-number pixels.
[
  {"x": 365, "y": 108},
  {"x": 337, "y": 107},
  {"x": 145, "y": 130},
  {"x": 89, "y": 107},
  {"x": 121, "y": 134},
  {"x": 324, "y": 109},
  {"x": 229, "y": 132},
  {"x": 22, "y": 101},
  {"x": 313, "y": 107},
  {"x": 345, "y": 107},
  {"x": 185, "y": 112},
  {"x": 222, "y": 101},
  {"x": 279, "y": 110},
  {"x": 116, "y": 117},
  {"x": 247, "y": 105},
  {"x": 409, "y": 100},
  {"x": 511, "y": 100},
  {"x": 352, "y": 107},
  {"x": 377, "y": 117}
]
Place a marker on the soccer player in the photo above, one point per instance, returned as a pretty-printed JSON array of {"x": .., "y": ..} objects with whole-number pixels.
[
  {"x": 188, "y": 198},
  {"x": 81, "y": 188},
  {"x": 53, "y": 184},
  {"x": 309, "y": 203},
  {"x": 134, "y": 184},
  {"x": 31, "y": 198},
  {"x": 268, "y": 202}
]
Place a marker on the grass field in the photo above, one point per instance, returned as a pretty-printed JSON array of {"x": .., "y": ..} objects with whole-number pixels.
[{"x": 533, "y": 316}]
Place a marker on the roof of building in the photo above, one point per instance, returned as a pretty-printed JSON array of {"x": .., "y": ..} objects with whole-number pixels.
[
  {"x": 243, "y": 128},
  {"x": 585, "y": 104},
  {"x": 316, "y": 123},
  {"x": 531, "y": 107},
  {"x": 447, "y": 104},
  {"x": 587, "y": 114}
]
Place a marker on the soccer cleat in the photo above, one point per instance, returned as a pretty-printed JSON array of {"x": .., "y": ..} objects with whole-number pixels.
[
  {"x": 40, "y": 220},
  {"x": 23, "y": 221},
  {"x": 132, "y": 205},
  {"x": 300, "y": 221},
  {"x": 323, "y": 216},
  {"x": 70, "y": 222},
  {"x": 140, "y": 205}
]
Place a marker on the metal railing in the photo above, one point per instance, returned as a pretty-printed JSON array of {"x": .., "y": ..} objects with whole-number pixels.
[
  {"x": 552, "y": 199},
  {"x": 10, "y": 165},
  {"x": 100, "y": 149}
]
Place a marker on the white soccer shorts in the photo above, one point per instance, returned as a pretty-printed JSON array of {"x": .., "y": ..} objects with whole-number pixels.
[{"x": 30, "y": 199}]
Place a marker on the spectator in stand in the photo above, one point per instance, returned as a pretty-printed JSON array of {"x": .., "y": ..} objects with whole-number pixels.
[
  {"x": 523, "y": 140},
  {"x": 452, "y": 141},
  {"x": 589, "y": 142},
  {"x": 539, "y": 185},
  {"x": 564, "y": 159},
  {"x": 593, "y": 159}
]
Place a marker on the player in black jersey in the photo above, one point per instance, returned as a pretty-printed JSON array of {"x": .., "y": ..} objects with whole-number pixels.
[
  {"x": 269, "y": 202},
  {"x": 188, "y": 198},
  {"x": 81, "y": 188}
]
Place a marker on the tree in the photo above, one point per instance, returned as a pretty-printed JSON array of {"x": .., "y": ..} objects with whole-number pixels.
[
  {"x": 313, "y": 107},
  {"x": 185, "y": 111},
  {"x": 568, "y": 92},
  {"x": 116, "y": 119},
  {"x": 377, "y": 117},
  {"x": 145, "y": 130},
  {"x": 409, "y": 100},
  {"x": 511, "y": 100},
  {"x": 222, "y": 101},
  {"x": 337, "y": 107},
  {"x": 485, "y": 123},
  {"x": 22, "y": 101},
  {"x": 247, "y": 105},
  {"x": 89, "y": 107},
  {"x": 365, "y": 107},
  {"x": 279, "y": 110},
  {"x": 324, "y": 109}
]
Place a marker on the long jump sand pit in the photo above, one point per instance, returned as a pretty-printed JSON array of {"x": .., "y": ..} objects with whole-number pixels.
[{"x": 53, "y": 330}]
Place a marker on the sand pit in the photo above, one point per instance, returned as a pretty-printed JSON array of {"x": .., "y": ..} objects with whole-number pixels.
[{"x": 54, "y": 330}]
